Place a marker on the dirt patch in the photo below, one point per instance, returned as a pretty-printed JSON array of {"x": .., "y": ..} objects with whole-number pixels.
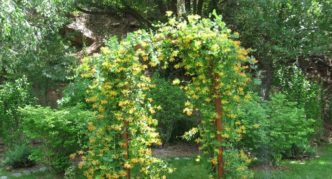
[{"x": 179, "y": 149}]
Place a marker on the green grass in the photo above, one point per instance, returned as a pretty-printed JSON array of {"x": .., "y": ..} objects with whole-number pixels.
[
  {"x": 318, "y": 168},
  {"x": 37, "y": 175},
  {"x": 187, "y": 168}
]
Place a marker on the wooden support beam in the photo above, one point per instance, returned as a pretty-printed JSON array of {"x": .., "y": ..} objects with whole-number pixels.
[{"x": 219, "y": 125}]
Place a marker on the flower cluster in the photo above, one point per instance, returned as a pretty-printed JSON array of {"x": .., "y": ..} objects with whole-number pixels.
[{"x": 215, "y": 65}]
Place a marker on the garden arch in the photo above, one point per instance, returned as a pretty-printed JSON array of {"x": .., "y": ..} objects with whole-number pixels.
[{"x": 119, "y": 141}]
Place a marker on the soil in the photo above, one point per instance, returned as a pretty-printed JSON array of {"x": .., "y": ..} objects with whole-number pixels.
[{"x": 179, "y": 149}]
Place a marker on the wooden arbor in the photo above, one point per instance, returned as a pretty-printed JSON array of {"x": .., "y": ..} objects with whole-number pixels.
[{"x": 214, "y": 64}]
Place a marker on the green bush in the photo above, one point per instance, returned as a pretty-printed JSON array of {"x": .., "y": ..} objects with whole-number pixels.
[
  {"x": 18, "y": 157},
  {"x": 62, "y": 132},
  {"x": 300, "y": 89},
  {"x": 276, "y": 129},
  {"x": 12, "y": 96},
  {"x": 290, "y": 131},
  {"x": 75, "y": 93},
  {"x": 172, "y": 122}
]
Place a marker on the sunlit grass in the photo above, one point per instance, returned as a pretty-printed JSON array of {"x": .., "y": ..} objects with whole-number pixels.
[
  {"x": 187, "y": 168},
  {"x": 317, "y": 168}
]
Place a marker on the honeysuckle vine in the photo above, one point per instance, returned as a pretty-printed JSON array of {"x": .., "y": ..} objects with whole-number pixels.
[{"x": 214, "y": 62}]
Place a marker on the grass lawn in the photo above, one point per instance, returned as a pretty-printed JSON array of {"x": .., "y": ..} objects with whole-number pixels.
[
  {"x": 318, "y": 168},
  {"x": 187, "y": 168},
  {"x": 38, "y": 175}
]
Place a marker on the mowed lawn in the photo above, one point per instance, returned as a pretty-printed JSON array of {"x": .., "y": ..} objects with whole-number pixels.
[{"x": 319, "y": 167}]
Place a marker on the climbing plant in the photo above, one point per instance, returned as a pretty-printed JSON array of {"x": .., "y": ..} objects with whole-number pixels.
[{"x": 214, "y": 81}]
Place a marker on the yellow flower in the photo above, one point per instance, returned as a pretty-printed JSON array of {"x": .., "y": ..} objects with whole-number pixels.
[
  {"x": 92, "y": 140},
  {"x": 214, "y": 161},
  {"x": 169, "y": 13},
  {"x": 72, "y": 156},
  {"x": 91, "y": 127},
  {"x": 152, "y": 111},
  {"x": 256, "y": 126},
  {"x": 105, "y": 50},
  {"x": 176, "y": 81},
  {"x": 80, "y": 165},
  {"x": 226, "y": 136},
  {"x": 188, "y": 111},
  {"x": 215, "y": 48}
]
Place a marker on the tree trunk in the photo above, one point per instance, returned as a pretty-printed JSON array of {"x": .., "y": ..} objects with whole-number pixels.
[
  {"x": 181, "y": 7},
  {"x": 188, "y": 6},
  {"x": 161, "y": 6},
  {"x": 267, "y": 81},
  {"x": 173, "y": 6},
  {"x": 200, "y": 7},
  {"x": 327, "y": 98},
  {"x": 194, "y": 6},
  {"x": 213, "y": 5}
]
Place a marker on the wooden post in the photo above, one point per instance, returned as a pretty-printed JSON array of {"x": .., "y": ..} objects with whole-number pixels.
[
  {"x": 219, "y": 125},
  {"x": 126, "y": 145}
]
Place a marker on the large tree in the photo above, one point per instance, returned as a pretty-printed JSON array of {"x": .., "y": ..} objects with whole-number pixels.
[{"x": 29, "y": 35}]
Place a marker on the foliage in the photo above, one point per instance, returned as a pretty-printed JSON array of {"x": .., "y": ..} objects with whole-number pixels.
[
  {"x": 204, "y": 48},
  {"x": 12, "y": 96},
  {"x": 254, "y": 116},
  {"x": 24, "y": 25},
  {"x": 295, "y": 128},
  {"x": 62, "y": 132},
  {"x": 298, "y": 88},
  {"x": 121, "y": 101},
  {"x": 270, "y": 26},
  {"x": 279, "y": 130},
  {"x": 75, "y": 93},
  {"x": 281, "y": 31},
  {"x": 236, "y": 162},
  {"x": 171, "y": 119},
  {"x": 18, "y": 157}
]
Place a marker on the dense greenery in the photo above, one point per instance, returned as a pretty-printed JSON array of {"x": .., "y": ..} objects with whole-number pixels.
[
  {"x": 162, "y": 80},
  {"x": 26, "y": 28},
  {"x": 61, "y": 133},
  {"x": 276, "y": 129},
  {"x": 19, "y": 156},
  {"x": 12, "y": 96},
  {"x": 172, "y": 122}
]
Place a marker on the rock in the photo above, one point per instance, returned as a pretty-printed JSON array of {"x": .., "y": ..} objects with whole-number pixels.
[
  {"x": 42, "y": 169},
  {"x": 27, "y": 172},
  {"x": 17, "y": 174}
]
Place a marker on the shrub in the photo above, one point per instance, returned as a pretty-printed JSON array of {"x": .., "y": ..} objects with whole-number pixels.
[
  {"x": 12, "y": 96},
  {"x": 62, "y": 133},
  {"x": 290, "y": 129},
  {"x": 279, "y": 130},
  {"x": 171, "y": 119},
  {"x": 300, "y": 89},
  {"x": 75, "y": 93},
  {"x": 18, "y": 157},
  {"x": 253, "y": 115}
]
